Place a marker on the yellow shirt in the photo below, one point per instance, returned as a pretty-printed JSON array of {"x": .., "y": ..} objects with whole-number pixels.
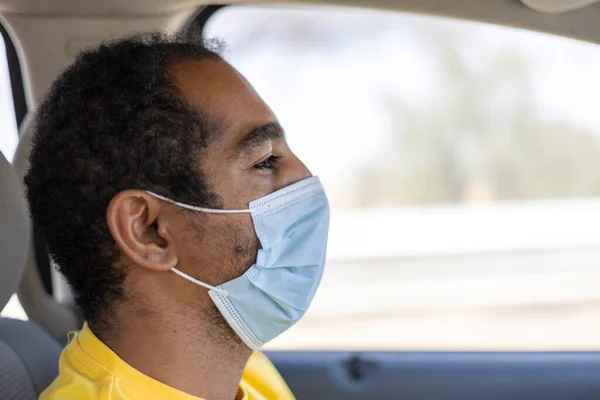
[{"x": 88, "y": 369}]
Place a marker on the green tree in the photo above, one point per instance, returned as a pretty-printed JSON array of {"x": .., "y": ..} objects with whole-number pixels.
[{"x": 482, "y": 141}]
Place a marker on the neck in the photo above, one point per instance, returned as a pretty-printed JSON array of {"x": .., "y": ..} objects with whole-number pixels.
[{"x": 201, "y": 357}]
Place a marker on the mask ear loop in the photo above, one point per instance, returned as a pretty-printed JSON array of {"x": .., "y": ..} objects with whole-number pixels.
[
  {"x": 221, "y": 292},
  {"x": 194, "y": 208}
]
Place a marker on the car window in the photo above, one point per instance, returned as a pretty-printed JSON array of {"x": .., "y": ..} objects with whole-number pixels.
[
  {"x": 8, "y": 125},
  {"x": 462, "y": 162}
]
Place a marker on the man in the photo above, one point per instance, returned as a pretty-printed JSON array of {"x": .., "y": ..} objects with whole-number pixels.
[{"x": 188, "y": 230}]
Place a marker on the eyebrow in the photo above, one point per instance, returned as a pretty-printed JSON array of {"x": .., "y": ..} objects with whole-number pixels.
[{"x": 260, "y": 135}]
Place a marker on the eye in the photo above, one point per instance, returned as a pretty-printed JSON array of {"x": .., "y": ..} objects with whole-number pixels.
[{"x": 269, "y": 163}]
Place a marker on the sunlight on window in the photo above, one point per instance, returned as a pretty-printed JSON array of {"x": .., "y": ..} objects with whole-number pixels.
[
  {"x": 8, "y": 126},
  {"x": 14, "y": 310}
]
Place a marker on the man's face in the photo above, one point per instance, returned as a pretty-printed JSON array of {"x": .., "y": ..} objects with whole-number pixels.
[{"x": 247, "y": 158}]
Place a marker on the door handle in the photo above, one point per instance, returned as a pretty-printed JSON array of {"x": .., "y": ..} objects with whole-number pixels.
[{"x": 360, "y": 369}]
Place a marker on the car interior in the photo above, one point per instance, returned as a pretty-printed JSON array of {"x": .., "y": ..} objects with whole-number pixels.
[{"x": 42, "y": 36}]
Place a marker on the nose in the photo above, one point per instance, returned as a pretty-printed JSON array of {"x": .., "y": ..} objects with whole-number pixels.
[{"x": 293, "y": 171}]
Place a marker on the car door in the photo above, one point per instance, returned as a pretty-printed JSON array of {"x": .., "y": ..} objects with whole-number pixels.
[{"x": 461, "y": 163}]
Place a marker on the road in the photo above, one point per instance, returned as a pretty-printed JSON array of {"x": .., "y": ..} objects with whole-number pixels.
[{"x": 516, "y": 301}]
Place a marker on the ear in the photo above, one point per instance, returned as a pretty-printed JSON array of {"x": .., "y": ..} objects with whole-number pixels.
[{"x": 141, "y": 231}]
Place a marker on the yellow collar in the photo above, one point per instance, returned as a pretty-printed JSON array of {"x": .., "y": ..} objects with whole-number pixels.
[{"x": 132, "y": 380}]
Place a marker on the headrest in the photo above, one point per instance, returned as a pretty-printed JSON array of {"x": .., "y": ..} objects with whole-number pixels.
[{"x": 15, "y": 231}]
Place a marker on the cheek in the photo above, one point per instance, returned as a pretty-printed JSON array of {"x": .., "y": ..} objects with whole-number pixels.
[
  {"x": 220, "y": 247},
  {"x": 200, "y": 246},
  {"x": 245, "y": 245},
  {"x": 240, "y": 187}
]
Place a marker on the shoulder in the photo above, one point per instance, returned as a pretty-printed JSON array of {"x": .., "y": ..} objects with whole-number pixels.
[{"x": 79, "y": 376}]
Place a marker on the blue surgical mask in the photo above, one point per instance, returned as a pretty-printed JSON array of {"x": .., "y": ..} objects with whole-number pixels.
[{"x": 292, "y": 225}]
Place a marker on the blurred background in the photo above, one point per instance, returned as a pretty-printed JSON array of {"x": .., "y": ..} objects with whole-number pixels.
[{"x": 462, "y": 162}]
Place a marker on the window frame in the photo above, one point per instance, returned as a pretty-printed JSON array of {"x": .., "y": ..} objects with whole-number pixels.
[{"x": 16, "y": 78}]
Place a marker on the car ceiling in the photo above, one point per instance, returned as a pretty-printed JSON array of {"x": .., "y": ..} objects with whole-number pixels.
[
  {"x": 158, "y": 7},
  {"x": 573, "y": 18}
]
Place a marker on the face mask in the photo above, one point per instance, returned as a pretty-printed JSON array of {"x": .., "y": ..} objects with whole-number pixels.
[{"x": 292, "y": 225}]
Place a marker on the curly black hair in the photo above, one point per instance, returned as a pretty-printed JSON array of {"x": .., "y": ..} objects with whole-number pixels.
[{"x": 113, "y": 120}]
